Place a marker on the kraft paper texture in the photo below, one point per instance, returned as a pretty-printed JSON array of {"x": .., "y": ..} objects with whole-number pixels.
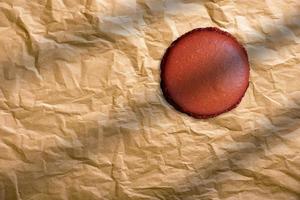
[{"x": 82, "y": 116}]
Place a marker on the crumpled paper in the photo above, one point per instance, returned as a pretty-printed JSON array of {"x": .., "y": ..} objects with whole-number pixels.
[{"x": 83, "y": 117}]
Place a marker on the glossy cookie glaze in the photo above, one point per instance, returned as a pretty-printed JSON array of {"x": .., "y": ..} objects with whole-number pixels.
[{"x": 205, "y": 73}]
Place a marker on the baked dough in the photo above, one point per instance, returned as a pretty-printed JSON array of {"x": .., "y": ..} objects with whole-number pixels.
[{"x": 205, "y": 73}]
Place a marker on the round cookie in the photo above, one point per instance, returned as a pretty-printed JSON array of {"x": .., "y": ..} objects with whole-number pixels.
[{"x": 205, "y": 73}]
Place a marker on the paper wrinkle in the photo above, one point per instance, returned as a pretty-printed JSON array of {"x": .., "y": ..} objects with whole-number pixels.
[{"x": 83, "y": 117}]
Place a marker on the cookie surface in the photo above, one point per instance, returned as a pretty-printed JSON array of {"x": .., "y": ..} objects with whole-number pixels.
[{"x": 205, "y": 73}]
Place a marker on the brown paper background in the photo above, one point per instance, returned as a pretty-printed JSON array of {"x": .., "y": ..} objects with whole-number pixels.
[{"x": 83, "y": 118}]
